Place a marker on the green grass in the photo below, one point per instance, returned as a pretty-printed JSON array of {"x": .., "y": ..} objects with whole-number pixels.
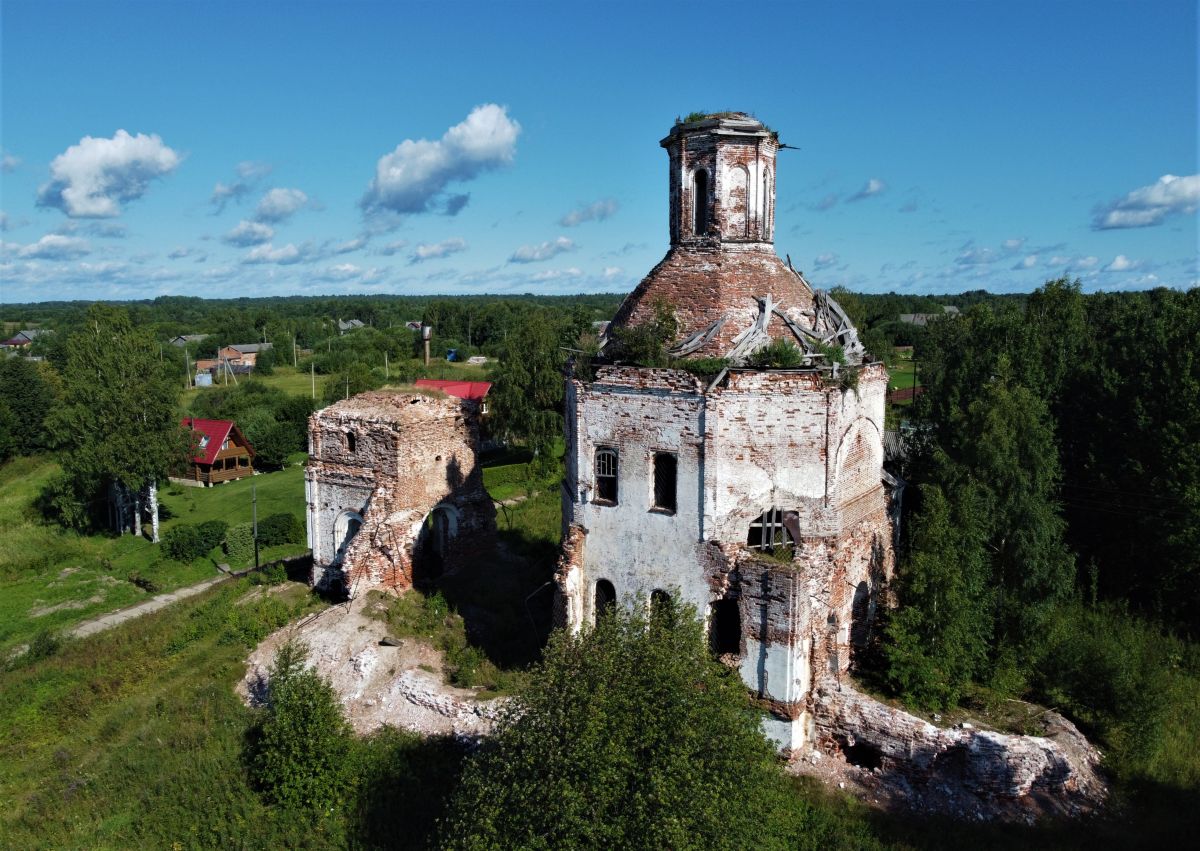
[{"x": 51, "y": 579}]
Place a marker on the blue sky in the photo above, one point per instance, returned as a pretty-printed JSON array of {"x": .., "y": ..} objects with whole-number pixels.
[{"x": 224, "y": 149}]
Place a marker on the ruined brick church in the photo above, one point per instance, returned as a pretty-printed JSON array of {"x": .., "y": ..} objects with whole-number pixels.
[
  {"x": 755, "y": 494},
  {"x": 758, "y": 496}
]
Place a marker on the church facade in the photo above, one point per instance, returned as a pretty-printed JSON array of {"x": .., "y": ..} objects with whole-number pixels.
[{"x": 752, "y": 492}]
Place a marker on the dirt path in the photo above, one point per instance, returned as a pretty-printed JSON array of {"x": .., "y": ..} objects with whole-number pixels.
[{"x": 160, "y": 601}]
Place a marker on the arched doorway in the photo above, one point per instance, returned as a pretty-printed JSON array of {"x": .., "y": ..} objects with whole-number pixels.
[
  {"x": 605, "y": 598},
  {"x": 438, "y": 529},
  {"x": 344, "y": 529}
]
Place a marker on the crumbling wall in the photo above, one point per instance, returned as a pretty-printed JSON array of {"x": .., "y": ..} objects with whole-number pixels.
[
  {"x": 404, "y": 468},
  {"x": 961, "y": 771}
]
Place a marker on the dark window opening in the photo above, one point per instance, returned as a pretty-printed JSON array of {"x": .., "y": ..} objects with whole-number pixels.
[
  {"x": 725, "y": 628},
  {"x": 700, "y": 203},
  {"x": 859, "y": 612},
  {"x": 768, "y": 534},
  {"x": 606, "y": 476},
  {"x": 660, "y": 603},
  {"x": 606, "y": 598},
  {"x": 350, "y": 441},
  {"x": 664, "y": 481}
]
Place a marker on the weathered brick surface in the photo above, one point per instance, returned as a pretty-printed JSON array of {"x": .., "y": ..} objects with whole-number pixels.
[{"x": 405, "y": 466}]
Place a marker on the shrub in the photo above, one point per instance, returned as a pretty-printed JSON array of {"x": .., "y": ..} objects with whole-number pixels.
[
  {"x": 239, "y": 543},
  {"x": 212, "y": 533},
  {"x": 280, "y": 529},
  {"x": 183, "y": 543},
  {"x": 187, "y": 542},
  {"x": 779, "y": 354},
  {"x": 301, "y": 759}
]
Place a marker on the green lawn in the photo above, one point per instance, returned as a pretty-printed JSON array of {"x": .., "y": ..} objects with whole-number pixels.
[
  {"x": 286, "y": 378},
  {"x": 51, "y": 579}
]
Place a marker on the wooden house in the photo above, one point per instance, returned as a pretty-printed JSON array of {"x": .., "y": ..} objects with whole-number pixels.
[{"x": 221, "y": 452}]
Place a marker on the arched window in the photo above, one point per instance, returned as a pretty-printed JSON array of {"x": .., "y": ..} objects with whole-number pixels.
[
  {"x": 605, "y": 598},
  {"x": 659, "y": 600},
  {"x": 767, "y": 532},
  {"x": 606, "y": 475},
  {"x": 700, "y": 202}
]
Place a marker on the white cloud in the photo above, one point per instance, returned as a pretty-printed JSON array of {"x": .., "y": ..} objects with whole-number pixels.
[
  {"x": 179, "y": 253},
  {"x": 249, "y": 233},
  {"x": 1011, "y": 246},
  {"x": 433, "y": 251},
  {"x": 413, "y": 178},
  {"x": 826, "y": 203},
  {"x": 823, "y": 260},
  {"x": 1028, "y": 262},
  {"x": 54, "y": 246},
  {"x": 872, "y": 187},
  {"x": 976, "y": 257},
  {"x": 1086, "y": 262},
  {"x": 280, "y": 204},
  {"x": 248, "y": 176},
  {"x": 557, "y": 274},
  {"x": 8, "y": 162},
  {"x": 543, "y": 251},
  {"x": 1150, "y": 205},
  {"x": 285, "y": 255},
  {"x": 350, "y": 245},
  {"x": 1121, "y": 263},
  {"x": 612, "y": 271},
  {"x": 340, "y": 272},
  {"x": 394, "y": 247},
  {"x": 597, "y": 211},
  {"x": 93, "y": 178}
]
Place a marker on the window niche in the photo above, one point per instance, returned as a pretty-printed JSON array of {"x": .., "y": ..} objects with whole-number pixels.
[
  {"x": 351, "y": 442},
  {"x": 700, "y": 202},
  {"x": 605, "y": 599},
  {"x": 665, "y": 478},
  {"x": 606, "y": 476},
  {"x": 768, "y": 535}
]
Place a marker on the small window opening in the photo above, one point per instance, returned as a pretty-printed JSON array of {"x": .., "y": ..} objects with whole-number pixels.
[
  {"x": 768, "y": 534},
  {"x": 725, "y": 628},
  {"x": 350, "y": 441},
  {"x": 606, "y": 475},
  {"x": 660, "y": 603},
  {"x": 605, "y": 599},
  {"x": 664, "y": 481},
  {"x": 700, "y": 202}
]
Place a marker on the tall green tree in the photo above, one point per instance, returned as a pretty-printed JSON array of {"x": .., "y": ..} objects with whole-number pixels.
[
  {"x": 526, "y": 399},
  {"x": 118, "y": 426},
  {"x": 28, "y": 390},
  {"x": 627, "y": 736},
  {"x": 938, "y": 639}
]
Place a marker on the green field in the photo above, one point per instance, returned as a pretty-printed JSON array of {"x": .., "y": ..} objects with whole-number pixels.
[{"x": 54, "y": 578}]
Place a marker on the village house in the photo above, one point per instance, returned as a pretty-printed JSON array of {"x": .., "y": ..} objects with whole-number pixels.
[
  {"x": 221, "y": 452},
  {"x": 23, "y": 339}
]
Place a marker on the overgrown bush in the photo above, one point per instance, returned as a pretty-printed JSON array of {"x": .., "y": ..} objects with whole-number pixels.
[
  {"x": 239, "y": 544},
  {"x": 779, "y": 354},
  {"x": 186, "y": 542},
  {"x": 281, "y": 528},
  {"x": 301, "y": 759}
]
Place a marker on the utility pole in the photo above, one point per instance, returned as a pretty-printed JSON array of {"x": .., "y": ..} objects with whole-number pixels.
[
  {"x": 427, "y": 335},
  {"x": 347, "y": 395},
  {"x": 313, "y": 369},
  {"x": 386, "y": 375},
  {"x": 187, "y": 370},
  {"x": 294, "y": 364},
  {"x": 254, "y": 519}
]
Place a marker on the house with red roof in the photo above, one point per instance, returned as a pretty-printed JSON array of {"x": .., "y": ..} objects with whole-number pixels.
[
  {"x": 221, "y": 452},
  {"x": 476, "y": 391}
]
